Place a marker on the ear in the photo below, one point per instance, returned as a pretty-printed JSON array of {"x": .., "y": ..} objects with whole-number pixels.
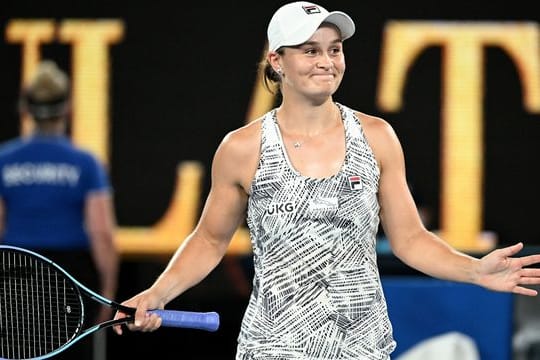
[{"x": 274, "y": 59}]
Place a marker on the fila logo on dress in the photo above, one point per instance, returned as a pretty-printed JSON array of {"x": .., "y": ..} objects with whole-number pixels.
[{"x": 355, "y": 182}]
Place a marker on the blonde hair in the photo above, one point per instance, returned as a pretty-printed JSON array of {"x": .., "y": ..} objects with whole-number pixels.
[
  {"x": 49, "y": 83},
  {"x": 47, "y": 94}
]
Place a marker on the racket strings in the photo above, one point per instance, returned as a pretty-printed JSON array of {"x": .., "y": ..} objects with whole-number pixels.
[{"x": 40, "y": 310}]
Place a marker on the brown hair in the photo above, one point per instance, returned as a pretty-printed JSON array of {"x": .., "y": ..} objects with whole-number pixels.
[{"x": 271, "y": 79}]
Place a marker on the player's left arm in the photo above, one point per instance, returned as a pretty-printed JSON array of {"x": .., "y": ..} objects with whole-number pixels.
[{"x": 410, "y": 241}]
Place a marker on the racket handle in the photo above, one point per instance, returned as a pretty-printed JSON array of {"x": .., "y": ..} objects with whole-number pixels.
[{"x": 208, "y": 321}]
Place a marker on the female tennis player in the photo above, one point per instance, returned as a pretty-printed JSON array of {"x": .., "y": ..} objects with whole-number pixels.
[{"x": 315, "y": 178}]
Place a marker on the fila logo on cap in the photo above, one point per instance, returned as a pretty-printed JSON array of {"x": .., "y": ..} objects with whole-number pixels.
[
  {"x": 294, "y": 23},
  {"x": 311, "y": 9}
]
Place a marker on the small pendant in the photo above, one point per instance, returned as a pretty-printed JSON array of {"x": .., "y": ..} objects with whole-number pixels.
[{"x": 297, "y": 145}]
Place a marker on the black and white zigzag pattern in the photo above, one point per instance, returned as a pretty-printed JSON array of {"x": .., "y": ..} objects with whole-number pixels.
[{"x": 316, "y": 290}]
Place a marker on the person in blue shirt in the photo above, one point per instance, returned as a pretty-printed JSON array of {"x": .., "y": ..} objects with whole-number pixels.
[{"x": 55, "y": 198}]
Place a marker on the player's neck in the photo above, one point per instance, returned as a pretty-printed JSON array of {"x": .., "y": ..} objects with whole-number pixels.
[{"x": 308, "y": 120}]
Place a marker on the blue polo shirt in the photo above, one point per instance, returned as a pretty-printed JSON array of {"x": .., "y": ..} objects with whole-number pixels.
[{"x": 44, "y": 181}]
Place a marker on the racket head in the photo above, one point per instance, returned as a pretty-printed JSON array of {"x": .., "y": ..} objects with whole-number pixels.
[{"x": 41, "y": 307}]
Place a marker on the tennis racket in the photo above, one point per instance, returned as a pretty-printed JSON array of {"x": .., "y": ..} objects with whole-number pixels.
[{"x": 42, "y": 310}]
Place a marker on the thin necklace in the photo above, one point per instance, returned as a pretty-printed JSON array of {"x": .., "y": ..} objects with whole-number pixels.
[{"x": 298, "y": 144}]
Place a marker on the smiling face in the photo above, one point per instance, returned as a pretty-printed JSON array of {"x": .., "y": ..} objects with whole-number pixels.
[{"x": 314, "y": 68}]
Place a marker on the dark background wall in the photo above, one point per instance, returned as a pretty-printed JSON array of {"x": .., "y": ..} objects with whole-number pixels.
[{"x": 182, "y": 77}]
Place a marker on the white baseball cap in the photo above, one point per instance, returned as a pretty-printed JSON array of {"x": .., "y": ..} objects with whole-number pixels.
[{"x": 294, "y": 23}]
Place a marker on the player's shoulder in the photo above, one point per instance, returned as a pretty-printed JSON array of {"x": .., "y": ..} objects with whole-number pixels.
[
  {"x": 370, "y": 120},
  {"x": 237, "y": 155},
  {"x": 378, "y": 131},
  {"x": 373, "y": 124},
  {"x": 244, "y": 138}
]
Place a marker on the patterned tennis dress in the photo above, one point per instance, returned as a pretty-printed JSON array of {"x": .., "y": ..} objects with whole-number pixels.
[{"x": 316, "y": 289}]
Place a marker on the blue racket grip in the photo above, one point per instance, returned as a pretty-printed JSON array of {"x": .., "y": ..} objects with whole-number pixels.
[{"x": 208, "y": 321}]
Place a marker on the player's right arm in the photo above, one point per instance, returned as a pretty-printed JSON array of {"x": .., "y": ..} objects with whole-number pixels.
[{"x": 233, "y": 167}]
